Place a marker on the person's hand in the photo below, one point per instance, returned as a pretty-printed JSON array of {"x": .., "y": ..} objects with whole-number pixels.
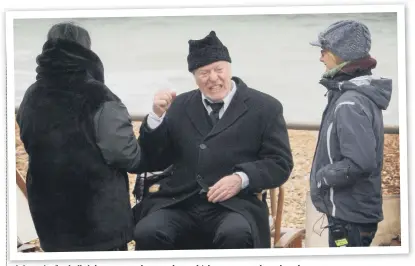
[
  {"x": 225, "y": 188},
  {"x": 162, "y": 101}
]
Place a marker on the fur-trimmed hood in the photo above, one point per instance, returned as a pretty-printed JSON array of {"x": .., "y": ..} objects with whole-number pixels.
[{"x": 62, "y": 59}]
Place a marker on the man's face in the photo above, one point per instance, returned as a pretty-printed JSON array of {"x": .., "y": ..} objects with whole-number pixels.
[{"x": 214, "y": 80}]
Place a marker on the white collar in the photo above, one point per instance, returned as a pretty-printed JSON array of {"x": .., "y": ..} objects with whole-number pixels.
[{"x": 226, "y": 101}]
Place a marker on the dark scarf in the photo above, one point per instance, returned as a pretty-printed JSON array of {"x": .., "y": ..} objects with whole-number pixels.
[
  {"x": 351, "y": 70},
  {"x": 357, "y": 68}
]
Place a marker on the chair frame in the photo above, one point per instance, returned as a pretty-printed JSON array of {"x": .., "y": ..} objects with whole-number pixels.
[{"x": 282, "y": 237}]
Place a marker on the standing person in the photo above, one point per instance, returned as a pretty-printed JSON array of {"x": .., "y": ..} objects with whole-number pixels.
[
  {"x": 345, "y": 179},
  {"x": 226, "y": 142},
  {"x": 81, "y": 144}
]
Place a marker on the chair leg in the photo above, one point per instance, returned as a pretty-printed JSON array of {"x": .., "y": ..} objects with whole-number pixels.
[{"x": 296, "y": 243}]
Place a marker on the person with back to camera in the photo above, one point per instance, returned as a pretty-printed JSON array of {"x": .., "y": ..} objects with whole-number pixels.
[
  {"x": 345, "y": 179},
  {"x": 81, "y": 144}
]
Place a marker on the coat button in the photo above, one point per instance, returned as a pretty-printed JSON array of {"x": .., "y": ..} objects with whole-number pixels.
[
  {"x": 198, "y": 177},
  {"x": 202, "y": 146}
]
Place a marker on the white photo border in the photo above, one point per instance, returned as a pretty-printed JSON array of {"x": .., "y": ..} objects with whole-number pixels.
[{"x": 11, "y": 151}]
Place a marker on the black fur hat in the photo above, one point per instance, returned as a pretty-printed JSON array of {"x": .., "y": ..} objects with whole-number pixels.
[{"x": 206, "y": 51}]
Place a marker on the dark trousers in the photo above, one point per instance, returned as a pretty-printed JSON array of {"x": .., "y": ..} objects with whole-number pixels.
[
  {"x": 193, "y": 224},
  {"x": 357, "y": 234}
]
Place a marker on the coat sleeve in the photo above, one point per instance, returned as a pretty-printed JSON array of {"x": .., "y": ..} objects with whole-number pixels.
[
  {"x": 357, "y": 147},
  {"x": 115, "y": 137},
  {"x": 158, "y": 149},
  {"x": 275, "y": 158}
]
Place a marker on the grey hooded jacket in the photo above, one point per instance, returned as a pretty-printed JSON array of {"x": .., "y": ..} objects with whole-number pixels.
[{"x": 345, "y": 180}]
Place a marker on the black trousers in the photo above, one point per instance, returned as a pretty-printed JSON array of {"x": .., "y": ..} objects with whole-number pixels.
[
  {"x": 193, "y": 224},
  {"x": 357, "y": 234}
]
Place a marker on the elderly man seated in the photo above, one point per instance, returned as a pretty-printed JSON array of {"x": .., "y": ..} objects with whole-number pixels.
[{"x": 226, "y": 142}]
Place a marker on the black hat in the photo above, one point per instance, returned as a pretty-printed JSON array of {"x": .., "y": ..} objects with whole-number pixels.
[{"x": 206, "y": 51}]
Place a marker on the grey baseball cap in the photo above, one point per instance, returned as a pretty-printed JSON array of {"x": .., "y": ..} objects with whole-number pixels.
[{"x": 348, "y": 39}]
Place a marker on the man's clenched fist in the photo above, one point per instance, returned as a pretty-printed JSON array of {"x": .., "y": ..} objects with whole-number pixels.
[{"x": 162, "y": 101}]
